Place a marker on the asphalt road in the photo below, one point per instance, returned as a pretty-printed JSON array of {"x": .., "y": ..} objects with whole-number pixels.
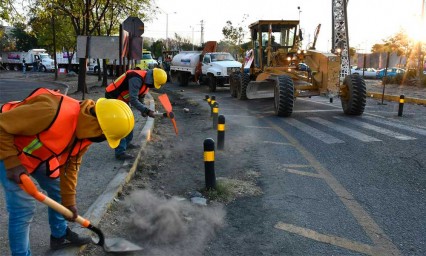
[
  {"x": 333, "y": 184},
  {"x": 17, "y": 90}
]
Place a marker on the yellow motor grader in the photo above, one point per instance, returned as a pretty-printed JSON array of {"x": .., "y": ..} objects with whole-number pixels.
[{"x": 274, "y": 68}]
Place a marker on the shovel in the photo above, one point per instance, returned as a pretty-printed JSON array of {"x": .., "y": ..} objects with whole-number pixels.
[
  {"x": 164, "y": 100},
  {"x": 108, "y": 244}
]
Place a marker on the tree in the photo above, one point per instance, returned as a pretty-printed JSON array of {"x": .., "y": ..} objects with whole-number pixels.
[
  {"x": 157, "y": 48},
  {"x": 9, "y": 13},
  {"x": 23, "y": 40},
  {"x": 92, "y": 17},
  {"x": 235, "y": 34}
]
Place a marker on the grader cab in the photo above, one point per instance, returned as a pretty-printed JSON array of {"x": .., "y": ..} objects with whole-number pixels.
[{"x": 272, "y": 70}]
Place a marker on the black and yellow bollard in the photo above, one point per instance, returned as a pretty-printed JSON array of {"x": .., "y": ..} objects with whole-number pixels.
[
  {"x": 221, "y": 133},
  {"x": 209, "y": 173},
  {"x": 215, "y": 111},
  {"x": 207, "y": 97},
  {"x": 211, "y": 103},
  {"x": 401, "y": 104}
]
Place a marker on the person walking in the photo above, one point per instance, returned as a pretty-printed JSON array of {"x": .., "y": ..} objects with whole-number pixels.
[
  {"x": 24, "y": 67},
  {"x": 131, "y": 88},
  {"x": 45, "y": 136}
]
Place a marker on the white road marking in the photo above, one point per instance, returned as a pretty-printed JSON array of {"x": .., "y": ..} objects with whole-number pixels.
[
  {"x": 397, "y": 125},
  {"x": 375, "y": 128},
  {"x": 324, "y": 137},
  {"x": 276, "y": 142},
  {"x": 352, "y": 133},
  {"x": 328, "y": 239}
]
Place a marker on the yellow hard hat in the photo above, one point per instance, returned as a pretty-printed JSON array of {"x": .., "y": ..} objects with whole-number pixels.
[
  {"x": 115, "y": 118},
  {"x": 160, "y": 77}
]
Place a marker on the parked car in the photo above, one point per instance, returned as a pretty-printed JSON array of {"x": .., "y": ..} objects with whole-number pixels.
[
  {"x": 367, "y": 72},
  {"x": 147, "y": 62},
  {"x": 390, "y": 72}
]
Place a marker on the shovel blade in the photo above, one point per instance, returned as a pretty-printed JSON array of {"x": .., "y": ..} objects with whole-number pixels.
[{"x": 120, "y": 245}]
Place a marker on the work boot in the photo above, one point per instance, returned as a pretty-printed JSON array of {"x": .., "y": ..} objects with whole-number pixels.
[
  {"x": 124, "y": 156},
  {"x": 70, "y": 238},
  {"x": 132, "y": 146}
]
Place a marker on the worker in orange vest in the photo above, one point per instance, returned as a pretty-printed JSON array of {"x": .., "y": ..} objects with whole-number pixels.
[
  {"x": 131, "y": 87},
  {"x": 45, "y": 136}
]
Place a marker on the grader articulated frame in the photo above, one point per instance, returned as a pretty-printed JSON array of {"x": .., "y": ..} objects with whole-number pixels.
[{"x": 271, "y": 70}]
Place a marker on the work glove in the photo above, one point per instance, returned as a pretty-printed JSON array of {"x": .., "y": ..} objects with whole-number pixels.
[
  {"x": 74, "y": 211},
  {"x": 14, "y": 173},
  {"x": 149, "y": 113}
]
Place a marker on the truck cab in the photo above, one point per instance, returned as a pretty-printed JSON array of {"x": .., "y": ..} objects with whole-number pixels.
[{"x": 216, "y": 68}]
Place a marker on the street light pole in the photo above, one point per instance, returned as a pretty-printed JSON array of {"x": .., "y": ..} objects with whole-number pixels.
[
  {"x": 167, "y": 31},
  {"x": 192, "y": 37}
]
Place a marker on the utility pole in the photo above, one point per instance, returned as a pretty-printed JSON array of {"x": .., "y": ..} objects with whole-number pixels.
[
  {"x": 192, "y": 27},
  {"x": 202, "y": 32}
]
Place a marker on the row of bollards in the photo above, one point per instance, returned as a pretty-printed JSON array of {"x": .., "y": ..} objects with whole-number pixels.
[{"x": 209, "y": 143}]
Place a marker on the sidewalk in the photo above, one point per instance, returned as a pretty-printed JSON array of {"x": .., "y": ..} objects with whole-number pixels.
[
  {"x": 101, "y": 176},
  {"x": 392, "y": 92}
]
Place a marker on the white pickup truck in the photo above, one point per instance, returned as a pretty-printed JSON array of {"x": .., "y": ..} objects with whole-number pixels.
[{"x": 215, "y": 68}]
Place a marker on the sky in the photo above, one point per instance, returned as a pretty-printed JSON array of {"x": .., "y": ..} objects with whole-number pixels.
[{"x": 369, "y": 21}]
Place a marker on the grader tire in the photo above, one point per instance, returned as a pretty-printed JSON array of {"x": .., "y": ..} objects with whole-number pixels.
[
  {"x": 233, "y": 79},
  {"x": 354, "y": 95},
  {"x": 242, "y": 83},
  {"x": 284, "y": 96},
  {"x": 183, "y": 79}
]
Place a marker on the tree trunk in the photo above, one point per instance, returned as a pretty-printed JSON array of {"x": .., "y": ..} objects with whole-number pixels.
[
  {"x": 82, "y": 86},
  {"x": 105, "y": 73}
]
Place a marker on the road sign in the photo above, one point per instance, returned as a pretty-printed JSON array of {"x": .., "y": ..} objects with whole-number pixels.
[{"x": 134, "y": 26}]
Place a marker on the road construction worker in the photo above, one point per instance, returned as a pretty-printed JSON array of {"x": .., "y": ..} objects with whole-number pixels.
[
  {"x": 131, "y": 87},
  {"x": 45, "y": 136}
]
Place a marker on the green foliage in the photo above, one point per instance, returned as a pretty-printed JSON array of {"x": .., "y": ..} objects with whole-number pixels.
[
  {"x": 234, "y": 35},
  {"x": 23, "y": 40},
  {"x": 423, "y": 81},
  {"x": 222, "y": 193},
  {"x": 411, "y": 73},
  {"x": 6, "y": 42},
  {"x": 157, "y": 48}
]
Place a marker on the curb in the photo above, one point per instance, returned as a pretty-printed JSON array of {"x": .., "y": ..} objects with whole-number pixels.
[
  {"x": 395, "y": 98},
  {"x": 96, "y": 211}
]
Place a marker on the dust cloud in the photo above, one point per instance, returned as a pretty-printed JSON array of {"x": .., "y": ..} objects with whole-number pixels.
[{"x": 172, "y": 226}]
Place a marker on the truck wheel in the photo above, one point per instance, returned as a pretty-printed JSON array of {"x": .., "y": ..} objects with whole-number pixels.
[
  {"x": 212, "y": 83},
  {"x": 233, "y": 79},
  {"x": 183, "y": 78},
  {"x": 284, "y": 96},
  {"x": 16, "y": 68},
  {"x": 42, "y": 69},
  {"x": 353, "y": 95},
  {"x": 242, "y": 83}
]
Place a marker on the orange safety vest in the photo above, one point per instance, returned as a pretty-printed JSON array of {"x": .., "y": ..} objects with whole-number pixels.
[
  {"x": 119, "y": 89},
  {"x": 50, "y": 146}
]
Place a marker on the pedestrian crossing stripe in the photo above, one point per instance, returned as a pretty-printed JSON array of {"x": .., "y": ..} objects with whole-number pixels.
[
  {"x": 342, "y": 129},
  {"x": 324, "y": 137},
  {"x": 397, "y": 125},
  {"x": 375, "y": 128},
  {"x": 352, "y": 132}
]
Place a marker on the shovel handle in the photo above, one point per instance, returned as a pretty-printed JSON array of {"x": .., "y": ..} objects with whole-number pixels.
[{"x": 29, "y": 187}]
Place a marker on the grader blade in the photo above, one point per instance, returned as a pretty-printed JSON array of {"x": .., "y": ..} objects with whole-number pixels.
[{"x": 260, "y": 89}]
